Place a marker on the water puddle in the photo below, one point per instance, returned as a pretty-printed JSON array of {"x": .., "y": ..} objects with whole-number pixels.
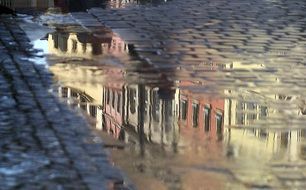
[
  {"x": 184, "y": 127},
  {"x": 199, "y": 125}
]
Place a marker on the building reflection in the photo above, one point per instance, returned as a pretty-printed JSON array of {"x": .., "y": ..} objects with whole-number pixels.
[
  {"x": 81, "y": 100},
  {"x": 122, "y": 108},
  {"x": 127, "y": 110},
  {"x": 140, "y": 115},
  {"x": 85, "y": 45},
  {"x": 179, "y": 120},
  {"x": 202, "y": 112}
]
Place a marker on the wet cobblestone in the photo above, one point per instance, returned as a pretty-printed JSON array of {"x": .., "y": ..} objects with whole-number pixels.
[
  {"x": 226, "y": 28},
  {"x": 44, "y": 144}
]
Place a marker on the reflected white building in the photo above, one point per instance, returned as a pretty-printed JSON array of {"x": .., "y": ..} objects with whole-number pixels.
[{"x": 145, "y": 107}]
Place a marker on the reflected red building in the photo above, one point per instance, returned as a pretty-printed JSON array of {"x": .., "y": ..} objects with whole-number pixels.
[
  {"x": 112, "y": 117},
  {"x": 201, "y": 112}
]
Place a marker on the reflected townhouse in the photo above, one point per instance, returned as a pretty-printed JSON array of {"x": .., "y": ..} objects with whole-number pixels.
[
  {"x": 202, "y": 113},
  {"x": 112, "y": 101},
  {"x": 152, "y": 114},
  {"x": 162, "y": 114},
  {"x": 143, "y": 112},
  {"x": 85, "y": 45},
  {"x": 82, "y": 84},
  {"x": 245, "y": 118}
]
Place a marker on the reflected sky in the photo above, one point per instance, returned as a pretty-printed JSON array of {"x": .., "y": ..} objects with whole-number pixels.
[{"x": 184, "y": 127}]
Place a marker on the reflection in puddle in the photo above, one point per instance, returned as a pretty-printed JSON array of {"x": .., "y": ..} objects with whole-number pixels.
[
  {"x": 177, "y": 134},
  {"x": 84, "y": 45},
  {"x": 75, "y": 5}
]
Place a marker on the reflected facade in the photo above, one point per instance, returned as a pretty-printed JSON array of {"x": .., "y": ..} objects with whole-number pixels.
[
  {"x": 173, "y": 128},
  {"x": 85, "y": 45}
]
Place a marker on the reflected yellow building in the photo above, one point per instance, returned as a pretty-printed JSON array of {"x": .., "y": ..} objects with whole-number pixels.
[
  {"x": 115, "y": 4},
  {"x": 84, "y": 45}
]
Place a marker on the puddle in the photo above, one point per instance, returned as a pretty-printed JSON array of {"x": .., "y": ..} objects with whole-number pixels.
[
  {"x": 167, "y": 130},
  {"x": 193, "y": 126}
]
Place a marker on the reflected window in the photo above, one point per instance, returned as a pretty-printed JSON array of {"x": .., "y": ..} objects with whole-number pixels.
[
  {"x": 263, "y": 111},
  {"x": 83, "y": 99},
  {"x": 74, "y": 45},
  {"x": 303, "y": 133},
  {"x": 251, "y": 106},
  {"x": 83, "y": 106},
  {"x": 93, "y": 110},
  {"x": 96, "y": 49},
  {"x": 263, "y": 134},
  {"x": 284, "y": 97},
  {"x": 113, "y": 99},
  {"x": 240, "y": 118},
  {"x": 168, "y": 115},
  {"x": 104, "y": 123},
  {"x": 195, "y": 114},
  {"x": 62, "y": 42},
  {"x": 155, "y": 106},
  {"x": 132, "y": 100},
  {"x": 219, "y": 119},
  {"x": 207, "y": 111},
  {"x": 184, "y": 106},
  {"x": 168, "y": 110},
  {"x": 114, "y": 44},
  {"x": 64, "y": 92},
  {"x": 55, "y": 39},
  {"x": 118, "y": 102},
  {"x": 121, "y": 135},
  {"x": 84, "y": 47},
  {"x": 251, "y": 116},
  {"x": 240, "y": 106},
  {"x": 74, "y": 94},
  {"x": 146, "y": 105},
  {"x": 107, "y": 96},
  {"x": 284, "y": 139}
]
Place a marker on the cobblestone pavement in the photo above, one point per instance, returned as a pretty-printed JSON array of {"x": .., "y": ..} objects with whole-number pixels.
[
  {"x": 44, "y": 144},
  {"x": 250, "y": 44}
]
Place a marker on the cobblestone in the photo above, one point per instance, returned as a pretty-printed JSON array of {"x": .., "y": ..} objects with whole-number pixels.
[{"x": 44, "y": 144}]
